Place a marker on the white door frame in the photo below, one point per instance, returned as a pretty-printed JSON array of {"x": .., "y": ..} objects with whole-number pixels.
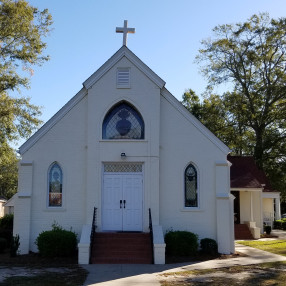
[{"x": 117, "y": 211}]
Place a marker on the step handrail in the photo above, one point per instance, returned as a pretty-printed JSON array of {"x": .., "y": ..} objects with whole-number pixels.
[
  {"x": 93, "y": 228},
  {"x": 151, "y": 233}
]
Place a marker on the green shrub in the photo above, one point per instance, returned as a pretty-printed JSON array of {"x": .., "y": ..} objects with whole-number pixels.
[
  {"x": 209, "y": 246},
  {"x": 3, "y": 244},
  {"x": 6, "y": 222},
  {"x": 181, "y": 243},
  {"x": 15, "y": 243},
  {"x": 57, "y": 242},
  {"x": 267, "y": 229},
  {"x": 277, "y": 224}
]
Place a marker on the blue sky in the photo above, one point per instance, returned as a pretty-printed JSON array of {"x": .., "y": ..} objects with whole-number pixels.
[{"x": 167, "y": 39}]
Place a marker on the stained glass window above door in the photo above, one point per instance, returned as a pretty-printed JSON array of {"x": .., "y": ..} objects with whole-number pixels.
[{"x": 123, "y": 122}]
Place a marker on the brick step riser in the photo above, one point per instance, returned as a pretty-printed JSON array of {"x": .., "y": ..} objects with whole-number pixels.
[
  {"x": 116, "y": 235},
  {"x": 121, "y": 254},
  {"x": 122, "y": 249},
  {"x": 123, "y": 261},
  {"x": 131, "y": 243},
  {"x": 123, "y": 243}
]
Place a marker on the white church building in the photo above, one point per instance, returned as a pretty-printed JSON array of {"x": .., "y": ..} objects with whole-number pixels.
[{"x": 123, "y": 145}]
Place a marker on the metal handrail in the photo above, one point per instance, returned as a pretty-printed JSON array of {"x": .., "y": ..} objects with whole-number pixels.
[
  {"x": 151, "y": 233},
  {"x": 93, "y": 228}
]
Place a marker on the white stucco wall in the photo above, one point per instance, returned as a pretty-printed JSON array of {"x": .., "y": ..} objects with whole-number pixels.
[
  {"x": 64, "y": 143},
  {"x": 181, "y": 143},
  {"x": 268, "y": 205}
]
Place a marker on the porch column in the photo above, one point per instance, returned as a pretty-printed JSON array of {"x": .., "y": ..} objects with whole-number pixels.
[
  {"x": 251, "y": 207},
  {"x": 277, "y": 208}
]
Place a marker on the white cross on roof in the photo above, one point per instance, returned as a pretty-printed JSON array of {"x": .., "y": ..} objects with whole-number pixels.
[{"x": 125, "y": 31}]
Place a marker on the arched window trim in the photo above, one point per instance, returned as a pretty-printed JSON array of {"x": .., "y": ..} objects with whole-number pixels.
[
  {"x": 197, "y": 206},
  {"x": 113, "y": 110},
  {"x": 61, "y": 187}
]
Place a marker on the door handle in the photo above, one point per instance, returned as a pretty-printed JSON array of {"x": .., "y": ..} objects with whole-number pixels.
[
  {"x": 121, "y": 204},
  {"x": 124, "y": 202}
]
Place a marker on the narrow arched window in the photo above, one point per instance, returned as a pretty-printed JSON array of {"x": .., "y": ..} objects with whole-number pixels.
[
  {"x": 191, "y": 186},
  {"x": 123, "y": 122},
  {"x": 55, "y": 185}
]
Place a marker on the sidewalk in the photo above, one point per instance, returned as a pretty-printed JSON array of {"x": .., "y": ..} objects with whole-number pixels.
[{"x": 131, "y": 274}]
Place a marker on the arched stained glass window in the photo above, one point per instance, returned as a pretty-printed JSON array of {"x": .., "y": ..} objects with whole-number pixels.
[
  {"x": 55, "y": 185},
  {"x": 123, "y": 122},
  {"x": 191, "y": 186}
]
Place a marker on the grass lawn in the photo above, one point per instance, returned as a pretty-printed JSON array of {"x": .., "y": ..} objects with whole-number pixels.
[
  {"x": 272, "y": 273},
  {"x": 273, "y": 246},
  {"x": 266, "y": 274}
]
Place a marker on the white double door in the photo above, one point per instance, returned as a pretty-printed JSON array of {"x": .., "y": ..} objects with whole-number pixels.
[{"x": 122, "y": 202}]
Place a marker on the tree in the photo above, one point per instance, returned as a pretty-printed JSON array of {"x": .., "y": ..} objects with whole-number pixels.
[
  {"x": 215, "y": 112},
  {"x": 8, "y": 171},
  {"x": 251, "y": 58},
  {"x": 22, "y": 28}
]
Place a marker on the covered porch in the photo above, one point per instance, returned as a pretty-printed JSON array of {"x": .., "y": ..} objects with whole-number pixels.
[{"x": 256, "y": 203}]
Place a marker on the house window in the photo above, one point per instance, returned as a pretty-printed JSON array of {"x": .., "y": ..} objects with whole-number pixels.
[
  {"x": 55, "y": 185},
  {"x": 123, "y": 122},
  {"x": 191, "y": 186}
]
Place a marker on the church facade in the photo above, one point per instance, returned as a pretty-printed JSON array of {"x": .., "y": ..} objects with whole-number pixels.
[{"x": 124, "y": 144}]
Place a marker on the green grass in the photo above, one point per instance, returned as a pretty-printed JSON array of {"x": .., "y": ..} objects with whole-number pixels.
[{"x": 273, "y": 246}]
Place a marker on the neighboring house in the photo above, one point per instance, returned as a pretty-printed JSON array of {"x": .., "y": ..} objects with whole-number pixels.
[
  {"x": 124, "y": 144},
  {"x": 9, "y": 206},
  {"x": 256, "y": 203},
  {"x": 2, "y": 203}
]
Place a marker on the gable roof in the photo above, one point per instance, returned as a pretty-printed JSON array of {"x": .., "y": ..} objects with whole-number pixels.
[
  {"x": 122, "y": 52},
  {"x": 244, "y": 174}
]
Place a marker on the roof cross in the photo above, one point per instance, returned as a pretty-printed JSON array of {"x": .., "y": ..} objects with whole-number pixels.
[{"x": 125, "y": 31}]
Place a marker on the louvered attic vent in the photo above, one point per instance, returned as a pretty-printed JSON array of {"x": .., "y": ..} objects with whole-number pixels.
[{"x": 123, "y": 78}]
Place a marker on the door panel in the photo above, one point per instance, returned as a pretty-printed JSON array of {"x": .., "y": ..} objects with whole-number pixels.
[
  {"x": 112, "y": 213},
  {"x": 132, "y": 194}
]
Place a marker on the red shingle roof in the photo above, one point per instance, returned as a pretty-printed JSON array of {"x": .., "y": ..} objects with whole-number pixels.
[{"x": 245, "y": 174}]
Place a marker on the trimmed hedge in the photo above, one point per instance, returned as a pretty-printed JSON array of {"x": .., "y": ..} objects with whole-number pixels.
[
  {"x": 3, "y": 244},
  {"x": 57, "y": 242},
  {"x": 6, "y": 222},
  {"x": 6, "y": 228},
  {"x": 209, "y": 246},
  {"x": 280, "y": 224},
  {"x": 181, "y": 243}
]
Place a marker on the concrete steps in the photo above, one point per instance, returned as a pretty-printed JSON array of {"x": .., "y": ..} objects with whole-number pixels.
[{"x": 122, "y": 248}]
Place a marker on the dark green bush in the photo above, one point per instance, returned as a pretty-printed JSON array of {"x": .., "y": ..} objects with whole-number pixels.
[
  {"x": 181, "y": 243},
  {"x": 15, "y": 243},
  {"x": 6, "y": 222},
  {"x": 7, "y": 234},
  {"x": 57, "y": 242},
  {"x": 267, "y": 229},
  {"x": 277, "y": 224},
  {"x": 3, "y": 244},
  {"x": 209, "y": 246}
]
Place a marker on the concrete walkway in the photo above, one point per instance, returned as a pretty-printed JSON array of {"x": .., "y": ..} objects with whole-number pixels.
[{"x": 142, "y": 275}]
